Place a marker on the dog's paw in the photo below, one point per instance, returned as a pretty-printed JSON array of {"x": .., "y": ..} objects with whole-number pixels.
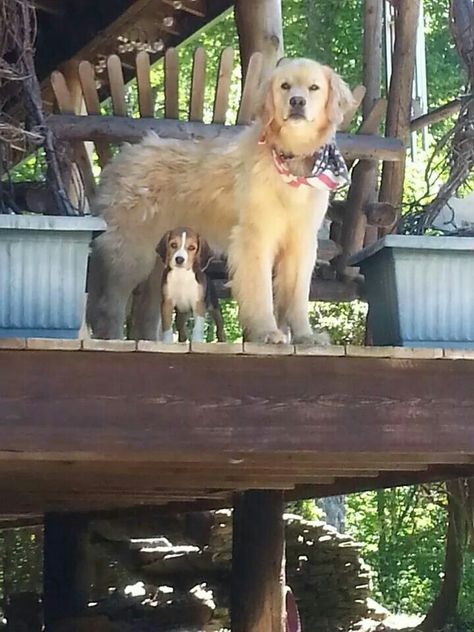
[
  {"x": 168, "y": 336},
  {"x": 272, "y": 336},
  {"x": 275, "y": 337},
  {"x": 320, "y": 338}
]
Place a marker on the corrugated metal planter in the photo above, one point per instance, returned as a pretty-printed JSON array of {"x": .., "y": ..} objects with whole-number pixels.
[
  {"x": 43, "y": 263},
  {"x": 420, "y": 290}
]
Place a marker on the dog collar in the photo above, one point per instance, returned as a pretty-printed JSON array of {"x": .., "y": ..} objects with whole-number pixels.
[{"x": 329, "y": 170}]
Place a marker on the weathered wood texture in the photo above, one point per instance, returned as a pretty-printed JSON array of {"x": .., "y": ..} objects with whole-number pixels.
[
  {"x": 84, "y": 430},
  {"x": 399, "y": 96},
  {"x": 83, "y": 402},
  {"x": 123, "y": 129},
  {"x": 258, "y": 562},
  {"x": 259, "y": 25},
  {"x": 362, "y": 190}
]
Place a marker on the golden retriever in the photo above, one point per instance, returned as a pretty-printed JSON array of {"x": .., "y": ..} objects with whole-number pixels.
[{"x": 233, "y": 195}]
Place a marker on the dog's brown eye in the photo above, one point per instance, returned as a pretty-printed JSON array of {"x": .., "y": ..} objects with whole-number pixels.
[
  {"x": 191, "y": 248},
  {"x": 285, "y": 86},
  {"x": 313, "y": 87},
  {"x": 173, "y": 245}
]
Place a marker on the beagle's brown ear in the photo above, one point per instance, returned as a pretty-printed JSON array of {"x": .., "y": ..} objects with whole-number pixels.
[
  {"x": 340, "y": 98},
  {"x": 162, "y": 247},
  {"x": 204, "y": 254}
]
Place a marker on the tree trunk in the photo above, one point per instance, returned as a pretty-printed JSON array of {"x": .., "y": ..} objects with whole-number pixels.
[
  {"x": 334, "y": 508},
  {"x": 445, "y": 605}
]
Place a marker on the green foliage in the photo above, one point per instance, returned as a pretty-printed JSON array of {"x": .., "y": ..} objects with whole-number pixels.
[
  {"x": 345, "y": 322},
  {"x": 307, "y": 509},
  {"x": 403, "y": 531},
  {"x": 21, "y": 556}
]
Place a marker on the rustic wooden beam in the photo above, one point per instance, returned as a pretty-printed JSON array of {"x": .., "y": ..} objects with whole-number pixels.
[
  {"x": 399, "y": 96},
  {"x": 386, "y": 480},
  {"x": 65, "y": 577},
  {"x": 222, "y": 402},
  {"x": 362, "y": 190},
  {"x": 436, "y": 116},
  {"x": 258, "y": 563},
  {"x": 118, "y": 129},
  {"x": 260, "y": 29}
]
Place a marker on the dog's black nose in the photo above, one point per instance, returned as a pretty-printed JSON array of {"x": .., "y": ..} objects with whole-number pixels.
[
  {"x": 297, "y": 102},
  {"x": 179, "y": 260}
]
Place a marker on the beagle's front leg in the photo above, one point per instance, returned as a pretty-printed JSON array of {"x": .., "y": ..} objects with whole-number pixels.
[
  {"x": 167, "y": 308},
  {"x": 199, "y": 313}
]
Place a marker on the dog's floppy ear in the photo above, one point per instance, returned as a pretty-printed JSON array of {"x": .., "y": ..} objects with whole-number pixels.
[
  {"x": 162, "y": 247},
  {"x": 204, "y": 254},
  {"x": 281, "y": 61},
  {"x": 265, "y": 110},
  {"x": 340, "y": 98}
]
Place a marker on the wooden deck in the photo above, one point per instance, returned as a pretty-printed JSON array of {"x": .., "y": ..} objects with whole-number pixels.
[{"x": 96, "y": 425}]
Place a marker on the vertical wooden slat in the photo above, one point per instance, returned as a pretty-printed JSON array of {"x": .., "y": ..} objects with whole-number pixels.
[
  {"x": 145, "y": 95},
  {"x": 198, "y": 85},
  {"x": 71, "y": 104},
  {"x": 224, "y": 78},
  {"x": 357, "y": 94},
  {"x": 171, "y": 84},
  {"x": 62, "y": 93},
  {"x": 91, "y": 99},
  {"x": 117, "y": 85},
  {"x": 252, "y": 81}
]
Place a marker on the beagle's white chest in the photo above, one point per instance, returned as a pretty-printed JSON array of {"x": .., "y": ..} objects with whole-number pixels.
[{"x": 182, "y": 289}]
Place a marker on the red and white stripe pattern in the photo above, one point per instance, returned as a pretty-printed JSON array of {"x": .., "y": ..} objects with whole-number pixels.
[{"x": 329, "y": 170}]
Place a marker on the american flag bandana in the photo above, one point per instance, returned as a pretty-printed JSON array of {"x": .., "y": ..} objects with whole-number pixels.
[{"x": 329, "y": 171}]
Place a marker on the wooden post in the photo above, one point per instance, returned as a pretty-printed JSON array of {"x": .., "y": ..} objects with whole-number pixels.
[
  {"x": 80, "y": 178},
  {"x": 364, "y": 175},
  {"x": 260, "y": 29},
  {"x": 399, "y": 96},
  {"x": 66, "y": 571},
  {"x": 258, "y": 563}
]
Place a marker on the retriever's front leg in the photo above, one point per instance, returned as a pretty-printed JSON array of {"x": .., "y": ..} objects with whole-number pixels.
[
  {"x": 250, "y": 265},
  {"x": 292, "y": 287}
]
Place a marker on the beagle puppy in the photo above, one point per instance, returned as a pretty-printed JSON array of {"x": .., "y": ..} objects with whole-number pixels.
[{"x": 185, "y": 286}]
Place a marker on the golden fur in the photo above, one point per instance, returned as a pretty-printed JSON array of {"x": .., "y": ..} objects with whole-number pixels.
[{"x": 230, "y": 193}]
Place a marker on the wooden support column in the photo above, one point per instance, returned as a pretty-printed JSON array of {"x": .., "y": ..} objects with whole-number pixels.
[
  {"x": 399, "y": 96},
  {"x": 258, "y": 563},
  {"x": 66, "y": 567},
  {"x": 364, "y": 175},
  {"x": 260, "y": 29}
]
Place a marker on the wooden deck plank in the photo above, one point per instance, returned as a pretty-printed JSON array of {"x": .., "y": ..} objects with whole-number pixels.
[
  {"x": 128, "y": 403},
  {"x": 93, "y": 430}
]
